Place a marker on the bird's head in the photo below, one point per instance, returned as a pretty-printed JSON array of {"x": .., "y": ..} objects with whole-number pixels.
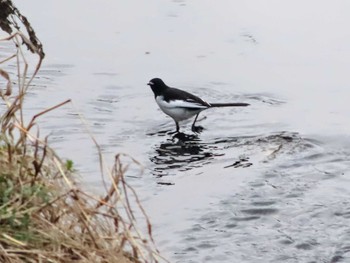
[{"x": 157, "y": 85}]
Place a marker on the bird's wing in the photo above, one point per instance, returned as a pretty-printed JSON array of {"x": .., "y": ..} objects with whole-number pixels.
[
  {"x": 186, "y": 104},
  {"x": 185, "y": 99}
]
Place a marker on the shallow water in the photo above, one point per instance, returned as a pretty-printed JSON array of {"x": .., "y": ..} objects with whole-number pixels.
[{"x": 266, "y": 183}]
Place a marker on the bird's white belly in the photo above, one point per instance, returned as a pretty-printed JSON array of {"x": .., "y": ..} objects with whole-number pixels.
[{"x": 178, "y": 113}]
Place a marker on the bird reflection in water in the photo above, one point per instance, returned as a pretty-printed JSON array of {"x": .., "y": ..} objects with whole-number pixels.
[{"x": 182, "y": 152}]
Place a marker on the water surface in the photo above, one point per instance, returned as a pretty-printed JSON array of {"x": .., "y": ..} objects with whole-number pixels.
[{"x": 267, "y": 183}]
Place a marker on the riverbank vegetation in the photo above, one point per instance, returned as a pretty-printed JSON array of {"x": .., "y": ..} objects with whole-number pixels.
[{"x": 45, "y": 216}]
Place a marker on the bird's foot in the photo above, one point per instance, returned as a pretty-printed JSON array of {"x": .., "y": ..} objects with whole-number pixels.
[
  {"x": 197, "y": 129},
  {"x": 179, "y": 135},
  {"x": 173, "y": 132},
  {"x": 183, "y": 137}
]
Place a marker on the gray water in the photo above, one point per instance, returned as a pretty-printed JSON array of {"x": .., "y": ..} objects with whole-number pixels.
[{"x": 266, "y": 183}]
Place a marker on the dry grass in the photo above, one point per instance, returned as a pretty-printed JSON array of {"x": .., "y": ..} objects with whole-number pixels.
[{"x": 44, "y": 215}]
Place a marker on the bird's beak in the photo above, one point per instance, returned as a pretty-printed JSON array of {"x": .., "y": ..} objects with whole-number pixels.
[{"x": 150, "y": 83}]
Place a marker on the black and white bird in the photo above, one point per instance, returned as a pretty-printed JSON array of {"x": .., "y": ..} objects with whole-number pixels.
[{"x": 181, "y": 105}]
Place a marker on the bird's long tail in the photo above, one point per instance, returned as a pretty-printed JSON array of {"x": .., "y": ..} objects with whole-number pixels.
[{"x": 238, "y": 104}]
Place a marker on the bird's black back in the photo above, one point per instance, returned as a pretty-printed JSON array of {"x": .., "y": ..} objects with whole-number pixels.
[
  {"x": 177, "y": 94},
  {"x": 159, "y": 88}
]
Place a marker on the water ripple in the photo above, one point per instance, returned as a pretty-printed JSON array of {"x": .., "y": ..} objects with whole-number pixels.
[{"x": 289, "y": 214}]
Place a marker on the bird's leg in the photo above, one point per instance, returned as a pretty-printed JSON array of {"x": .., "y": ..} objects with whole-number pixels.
[
  {"x": 196, "y": 129},
  {"x": 177, "y": 128}
]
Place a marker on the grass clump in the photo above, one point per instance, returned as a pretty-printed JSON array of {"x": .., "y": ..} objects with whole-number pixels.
[{"x": 44, "y": 215}]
